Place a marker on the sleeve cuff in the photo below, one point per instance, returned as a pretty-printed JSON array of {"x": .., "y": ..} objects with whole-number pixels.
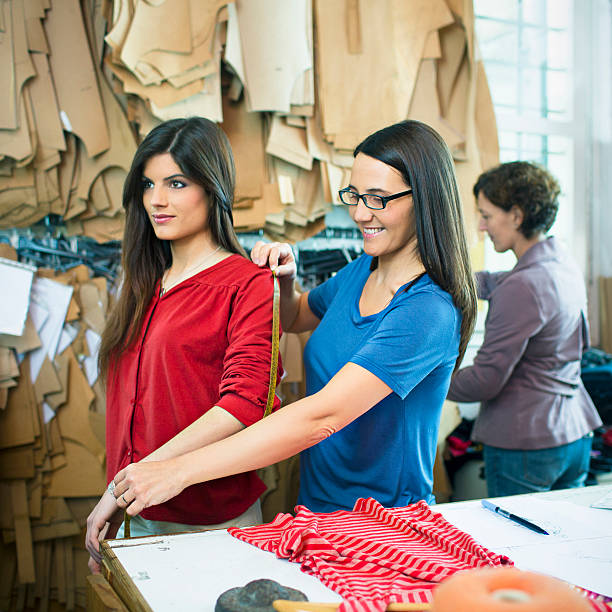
[
  {"x": 314, "y": 303},
  {"x": 379, "y": 372},
  {"x": 247, "y": 412}
]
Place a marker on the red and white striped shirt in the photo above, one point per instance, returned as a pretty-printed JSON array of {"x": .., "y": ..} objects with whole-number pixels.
[{"x": 373, "y": 556}]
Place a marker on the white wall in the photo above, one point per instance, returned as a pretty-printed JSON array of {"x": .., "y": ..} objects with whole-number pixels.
[{"x": 593, "y": 197}]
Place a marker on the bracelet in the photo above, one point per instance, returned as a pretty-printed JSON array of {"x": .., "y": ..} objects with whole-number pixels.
[{"x": 111, "y": 488}]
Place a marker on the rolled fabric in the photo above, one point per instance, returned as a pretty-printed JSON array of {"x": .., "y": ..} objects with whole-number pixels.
[{"x": 506, "y": 589}]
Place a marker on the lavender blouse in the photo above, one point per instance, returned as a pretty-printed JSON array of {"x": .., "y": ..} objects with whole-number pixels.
[{"x": 527, "y": 372}]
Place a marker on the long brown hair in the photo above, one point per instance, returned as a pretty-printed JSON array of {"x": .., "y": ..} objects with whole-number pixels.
[
  {"x": 420, "y": 155},
  {"x": 203, "y": 153}
]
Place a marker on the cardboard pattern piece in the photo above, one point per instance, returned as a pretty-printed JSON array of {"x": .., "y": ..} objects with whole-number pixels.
[{"x": 276, "y": 50}]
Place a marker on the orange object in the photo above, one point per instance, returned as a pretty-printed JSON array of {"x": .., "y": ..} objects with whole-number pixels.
[{"x": 506, "y": 590}]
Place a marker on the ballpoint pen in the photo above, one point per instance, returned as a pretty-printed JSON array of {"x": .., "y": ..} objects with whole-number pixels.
[{"x": 513, "y": 517}]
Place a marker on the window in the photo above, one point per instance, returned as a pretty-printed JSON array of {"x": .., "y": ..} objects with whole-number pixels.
[
  {"x": 548, "y": 65},
  {"x": 528, "y": 48}
]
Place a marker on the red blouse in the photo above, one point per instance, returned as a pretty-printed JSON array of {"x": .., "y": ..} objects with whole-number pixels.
[{"x": 206, "y": 342}]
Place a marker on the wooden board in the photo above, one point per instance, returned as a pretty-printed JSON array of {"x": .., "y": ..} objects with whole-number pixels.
[{"x": 101, "y": 597}]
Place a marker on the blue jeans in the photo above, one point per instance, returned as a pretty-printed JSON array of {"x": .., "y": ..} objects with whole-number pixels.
[{"x": 511, "y": 472}]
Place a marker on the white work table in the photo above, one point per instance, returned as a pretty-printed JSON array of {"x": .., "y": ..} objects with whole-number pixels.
[
  {"x": 578, "y": 549},
  {"x": 190, "y": 571}
]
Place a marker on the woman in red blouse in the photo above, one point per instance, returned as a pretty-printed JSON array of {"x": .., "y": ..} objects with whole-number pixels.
[{"x": 187, "y": 346}]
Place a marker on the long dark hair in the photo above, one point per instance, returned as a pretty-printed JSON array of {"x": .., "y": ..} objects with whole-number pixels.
[
  {"x": 203, "y": 153},
  {"x": 420, "y": 155}
]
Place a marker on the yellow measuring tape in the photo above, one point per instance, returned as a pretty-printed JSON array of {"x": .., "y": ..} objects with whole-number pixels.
[
  {"x": 275, "y": 343},
  {"x": 273, "y": 375}
]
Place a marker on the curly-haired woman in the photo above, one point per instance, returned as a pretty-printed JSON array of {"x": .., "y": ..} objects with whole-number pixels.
[{"x": 536, "y": 419}]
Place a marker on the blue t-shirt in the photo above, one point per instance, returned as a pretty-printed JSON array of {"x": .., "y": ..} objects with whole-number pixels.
[{"x": 412, "y": 344}]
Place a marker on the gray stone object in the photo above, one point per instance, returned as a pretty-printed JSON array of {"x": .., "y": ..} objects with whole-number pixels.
[{"x": 256, "y": 596}]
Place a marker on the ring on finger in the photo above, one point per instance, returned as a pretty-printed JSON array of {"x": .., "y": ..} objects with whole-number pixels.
[{"x": 125, "y": 501}]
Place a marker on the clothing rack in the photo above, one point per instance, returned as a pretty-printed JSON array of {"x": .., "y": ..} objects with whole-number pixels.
[{"x": 46, "y": 245}]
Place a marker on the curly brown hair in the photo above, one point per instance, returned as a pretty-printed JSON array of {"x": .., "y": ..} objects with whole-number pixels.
[{"x": 527, "y": 185}]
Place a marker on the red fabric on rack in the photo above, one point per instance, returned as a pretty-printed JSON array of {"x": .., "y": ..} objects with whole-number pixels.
[{"x": 373, "y": 556}]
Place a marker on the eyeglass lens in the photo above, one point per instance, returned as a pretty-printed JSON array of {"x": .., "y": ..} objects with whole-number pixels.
[{"x": 352, "y": 199}]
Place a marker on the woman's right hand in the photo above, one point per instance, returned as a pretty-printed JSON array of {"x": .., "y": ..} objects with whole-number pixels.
[{"x": 278, "y": 256}]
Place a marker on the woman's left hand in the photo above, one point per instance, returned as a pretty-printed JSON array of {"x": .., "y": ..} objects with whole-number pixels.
[
  {"x": 103, "y": 522},
  {"x": 148, "y": 483}
]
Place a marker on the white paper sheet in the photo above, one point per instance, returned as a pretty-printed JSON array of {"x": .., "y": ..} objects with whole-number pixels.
[
  {"x": 190, "y": 571},
  {"x": 564, "y": 520},
  {"x": 90, "y": 363},
  {"x": 69, "y": 333},
  {"x": 16, "y": 282},
  {"x": 48, "y": 412},
  {"x": 490, "y": 529},
  {"x": 577, "y": 549},
  {"x": 39, "y": 315},
  {"x": 586, "y": 563},
  {"x": 233, "y": 48},
  {"x": 604, "y": 502},
  {"x": 54, "y": 298}
]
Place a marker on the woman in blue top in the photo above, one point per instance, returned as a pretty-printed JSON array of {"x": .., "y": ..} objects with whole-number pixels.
[{"x": 389, "y": 329}]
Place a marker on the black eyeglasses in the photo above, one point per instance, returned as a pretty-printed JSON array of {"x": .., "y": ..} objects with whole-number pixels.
[{"x": 375, "y": 202}]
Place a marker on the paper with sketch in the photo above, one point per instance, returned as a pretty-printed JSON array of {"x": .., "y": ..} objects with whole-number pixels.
[
  {"x": 563, "y": 520},
  {"x": 489, "y": 528},
  {"x": 53, "y": 297},
  {"x": 16, "y": 282},
  {"x": 585, "y": 563},
  {"x": 604, "y": 502},
  {"x": 577, "y": 549}
]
